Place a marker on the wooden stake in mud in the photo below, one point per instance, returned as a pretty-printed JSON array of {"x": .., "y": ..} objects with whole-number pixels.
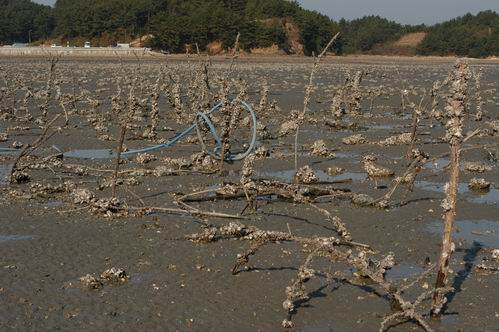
[
  {"x": 455, "y": 110},
  {"x": 132, "y": 108},
  {"x": 48, "y": 88},
  {"x": 227, "y": 116},
  {"x": 118, "y": 158},
  {"x": 308, "y": 93},
  {"x": 416, "y": 116}
]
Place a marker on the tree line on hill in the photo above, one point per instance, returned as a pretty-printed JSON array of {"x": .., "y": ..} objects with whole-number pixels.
[
  {"x": 470, "y": 35},
  {"x": 23, "y": 20},
  {"x": 261, "y": 23}
]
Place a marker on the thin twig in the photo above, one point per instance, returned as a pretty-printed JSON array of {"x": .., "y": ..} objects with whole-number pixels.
[
  {"x": 30, "y": 148},
  {"x": 308, "y": 92}
]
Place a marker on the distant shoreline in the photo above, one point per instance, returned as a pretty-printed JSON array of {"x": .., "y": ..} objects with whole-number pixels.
[{"x": 146, "y": 54}]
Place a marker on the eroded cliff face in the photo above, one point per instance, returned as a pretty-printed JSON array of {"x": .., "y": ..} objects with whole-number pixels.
[
  {"x": 293, "y": 34},
  {"x": 287, "y": 24}
]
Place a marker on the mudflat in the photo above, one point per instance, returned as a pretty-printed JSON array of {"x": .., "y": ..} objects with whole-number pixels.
[{"x": 56, "y": 229}]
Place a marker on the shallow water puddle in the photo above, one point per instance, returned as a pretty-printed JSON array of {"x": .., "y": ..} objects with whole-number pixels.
[
  {"x": 437, "y": 163},
  {"x": 441, "y": 163},
  {"x": 8, "y": 238},
  {"x": 312, "y": 133},
  {"x": 268, "y": 198},
  {"x": 384, "y": 127},
  {"x": 141, "y": 278},
  {"x": 4, "y": 173},
  {"x": 484, "y": 232},
  {"x": 288, "y": 176},
  {"x": 91, "y": 154},
  {"x": 8, "y": 152},
  {"x": 346, "y": 155},
  {"x": 53, "y": 204},
  {"x": 403, "y": 271},
  {"x": 490, "y": 196},
  {"x": 341, "y": 155}
]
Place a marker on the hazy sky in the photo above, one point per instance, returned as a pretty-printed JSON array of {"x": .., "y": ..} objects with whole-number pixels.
[{"x": 403, "y": 11}]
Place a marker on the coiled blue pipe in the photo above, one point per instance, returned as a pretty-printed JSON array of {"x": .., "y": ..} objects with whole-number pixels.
[
  {"x": 216, "y": 153},
  {"x": 200, "y": 117}
]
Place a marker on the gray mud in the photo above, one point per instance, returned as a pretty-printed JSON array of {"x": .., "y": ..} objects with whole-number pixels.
[{"x": 47, "y": 243}]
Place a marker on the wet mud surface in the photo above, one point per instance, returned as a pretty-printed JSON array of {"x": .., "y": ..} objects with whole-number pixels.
[{"x": 48, "y": 242}]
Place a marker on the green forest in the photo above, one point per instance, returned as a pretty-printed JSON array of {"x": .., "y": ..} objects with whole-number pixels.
[
  {"x": 175, "y": 24},
  {"x": 473, "y": 36}
]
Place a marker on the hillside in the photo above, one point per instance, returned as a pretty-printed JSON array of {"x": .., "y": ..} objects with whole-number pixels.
[
  {"x": 406, "y": 45},
  {"x": 22, "y": 20},
  {"x": 266, "y": 27},
  {"x": 473, "y": 36},
  {"x": 175, "y": 24},
  {"x": 410, "y": 40}
]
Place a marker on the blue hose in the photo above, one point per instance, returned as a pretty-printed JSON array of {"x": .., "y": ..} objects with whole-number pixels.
[{"x": 201, "y": 117}]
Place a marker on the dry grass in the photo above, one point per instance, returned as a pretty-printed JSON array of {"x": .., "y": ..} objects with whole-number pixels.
[{"x": 410, "y": 39}]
